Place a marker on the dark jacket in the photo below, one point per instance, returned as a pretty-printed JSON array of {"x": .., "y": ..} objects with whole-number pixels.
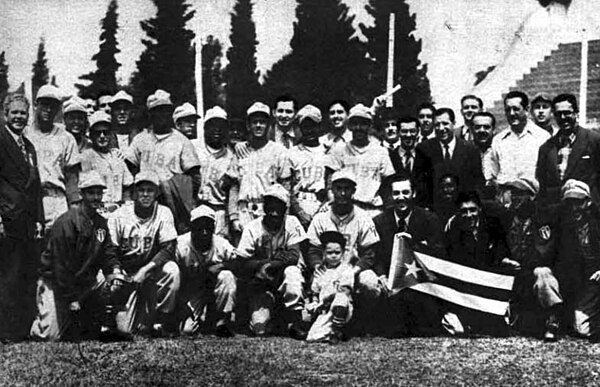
[
  {"x": 398, "y": 163},
  {"x": 429, "y": 167},
  {"x": 425, "y": 228},
  {"x": 583, "y": 165},
  {"x": 20, "y": 188},
  {"x": 78, "y": 247}
]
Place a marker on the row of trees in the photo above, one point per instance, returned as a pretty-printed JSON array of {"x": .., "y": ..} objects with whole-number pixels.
[{"x": 327, "y": 60}]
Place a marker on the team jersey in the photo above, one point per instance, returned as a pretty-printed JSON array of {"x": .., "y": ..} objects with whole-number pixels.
[
  {"x": 330, "y": 281},
  {"x": 308, "y": 168},
  {"x": 123, "y": 142},
  {"x": 369, "y": 165},
  {"x": 112, "y": 169},
  {"x": 139, "y": 238},
  {"x": 357, "y": 227},
  {"x": 261, "y": 169},
  {"x": 213, "y": 166},
  {"x": 56, "y": 151},
  {"x": 167, "y": 154},
  {"x": 258, "y": 242},
  {"x": 187, "y": 255}
]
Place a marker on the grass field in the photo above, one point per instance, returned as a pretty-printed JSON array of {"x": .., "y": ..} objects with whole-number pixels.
[{"x": 242, "y": 360}]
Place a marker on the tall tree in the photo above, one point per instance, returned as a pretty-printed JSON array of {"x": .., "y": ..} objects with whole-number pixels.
[
  {"x": 3, "y": 77},
  {"x": 41, "y": 74},
  {"x": 242, "y": 86},
  {"x": 168, "y": 60},
  {"x": 212, "y": 77},
  {"x": 104, "y": 78},
  {"x": 327, "y": 60},
  {"x": 408, "y": 70}
]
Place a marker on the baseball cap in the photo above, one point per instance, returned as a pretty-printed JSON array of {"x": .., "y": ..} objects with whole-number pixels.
[
  {"x": 360, "y": 111},
  {"x": 216, "y": 112},
  {"x": 541, "y": 97},
  {"x": 310, "y": 111},
  {"x": 121, "y": 96},
  {"x": 278, "y": 192},
  {"x": 344, "y": 174},
  {"x": 147, "y": 176},
  {"x": 159, "y": 98},
  {"x": 525, "y": 184},
  {"x": 74, "y": 104},
  {"x": 202, "y": 212},
  {"x": 185, "y": 110},
  {"x": 575, "y": 189},
  {"x": 90, "y": 179},
  {"x": 258, "y": 107},
  {"x": 48, "y": 91},
  {"x": 97, "y": 117}
]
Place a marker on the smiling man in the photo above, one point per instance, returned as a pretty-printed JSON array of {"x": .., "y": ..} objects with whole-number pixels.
[
  {"x": 76, "y": 121},
  {"x": 469, "y": 105},
  {"x": 541, "y": 111},
  {"x": 403, "y": 156},
  {"x": 284, "y": 131},
  {"x": 484, "y": 125},
  {"x": 121, "y": 111}
]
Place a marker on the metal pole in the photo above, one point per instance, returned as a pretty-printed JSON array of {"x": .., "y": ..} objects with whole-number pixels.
[
  {"x": 198, "y": 76},
  {"x": 584, "y": 79},
  {"x": 390, "y": 68}
]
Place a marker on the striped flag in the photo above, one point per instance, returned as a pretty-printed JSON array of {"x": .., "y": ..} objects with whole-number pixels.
[{"x": 461, "y": 285}]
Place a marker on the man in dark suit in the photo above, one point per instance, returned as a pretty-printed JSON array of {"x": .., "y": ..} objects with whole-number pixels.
[
  {"x": 407, "y": 311},
  {"x": 573, "y": 153},
  {"x": 403, "y": 156},
  {"x": 21, "y": 219},
  {"x": 445, "y": 154}
]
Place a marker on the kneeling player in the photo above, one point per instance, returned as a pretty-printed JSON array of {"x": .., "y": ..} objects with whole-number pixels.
[
  {"x": 207, "y": 280},
  {"x": 270, "y": 246},
  {"x": 332, "y": 286},
  {"x": 72, "y": 295},
  {"x": 146, "y": 235}
]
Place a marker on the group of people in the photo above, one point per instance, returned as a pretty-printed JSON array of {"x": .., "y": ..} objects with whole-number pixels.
[{"x": 286, "y": 225}]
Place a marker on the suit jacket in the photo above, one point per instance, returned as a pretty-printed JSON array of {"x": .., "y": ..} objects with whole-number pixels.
[
  {"x": 398, "y": 163},
  {"x": 583, "y": 165},
  {"x": 430, "y": 166},
  {"x": 425, "y": 228},
  {"x": 20, "y": 188}
]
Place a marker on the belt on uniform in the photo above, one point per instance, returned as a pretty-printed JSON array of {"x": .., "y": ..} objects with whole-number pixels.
[{"x": 214, "y": 207}]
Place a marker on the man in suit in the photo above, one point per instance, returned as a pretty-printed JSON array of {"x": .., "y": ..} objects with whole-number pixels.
[
  {"x": 403, "y": 156},
  {"x": 21, "y": 219},
  {"x": 469, "y": 106},
  {"x": 444, "y": 154},
  {"x": 424, "y": 232},
  {"x": 573, "y": 153}
]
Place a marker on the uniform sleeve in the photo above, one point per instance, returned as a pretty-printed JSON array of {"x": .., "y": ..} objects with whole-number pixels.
[
  {"x": 492, "y": 162},
  {"x": 132, "y": 154},
  {"x": 387, "y": 169},
  {"x": 284, "y": 165},
  {"x": 72, "y": 156},
  {"x": 294, "y": 230},
  {"x": 189, "y": 157},
  {"x": 113, "y": 228},
  {"x": 247, "y": 246},
  {"x": 167, "y": 231},
  {"x": 333, "y": 160},
  {"x": 314, "y": 230},
  {"x": 127, "y": 176},
  {"x": 368, "y": 233}
]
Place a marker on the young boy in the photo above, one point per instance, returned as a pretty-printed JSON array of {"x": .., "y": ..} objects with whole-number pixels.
[{"x": 331, "y": 286}]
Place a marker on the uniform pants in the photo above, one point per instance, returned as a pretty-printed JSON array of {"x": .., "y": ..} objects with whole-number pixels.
[
  {"x": 157, "y": 294},
  {"x": 221, "y": 224},
  {"x": 221, "y": 296},
  {"x": 336, "y": 317},
  {"x": 55, "y": 321},
  {"x": 262, "y": 300},
  {"x": 55, "y": 204}
]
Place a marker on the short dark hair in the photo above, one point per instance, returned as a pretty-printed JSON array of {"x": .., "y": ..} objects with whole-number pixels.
[
  {"x": 566, "y": 97},
  {"x": 103, "y": 93},
  {"x": 286, "y": 98},
  {"x": 426, "y": 105},
  {"x": 486, "y": 114},
  {"x": 445, "y": 110},
  {"x": 342, "y": 102},
  {"x": 408, "y": 120},
  {"x": 468, "y": 196},
  {"x": 333, "y": 237},
  {"x": 386, "y": 184},
  {"x": 471, "y": 96},
  {"x": 518, "y": 94}
]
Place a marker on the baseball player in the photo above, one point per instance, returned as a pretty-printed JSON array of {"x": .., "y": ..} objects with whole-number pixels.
[
  {"x": 76, "y": 121},
  {"x": 270, "y": 253},
  {"x": 365, "y": 158},
  {"x": 107, "y": 163},
  {"x": 308, "y": 167},
  {"x": 58, "y": 157},
  {"x": 216, "y": 158},
  {"x": 121, "y": 112},
  {"x": 72, "y": 295},
  {"x": 186, "y": 120},
  {"x": 146, "y": 235},
  {"x": 207, "y": 279},
  {"x": 249, "y": 177}
]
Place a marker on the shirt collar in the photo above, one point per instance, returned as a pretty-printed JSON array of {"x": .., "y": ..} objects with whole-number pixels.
[
  {"x": 14, "y": 135},
  {"x": 406, "y": 218}
]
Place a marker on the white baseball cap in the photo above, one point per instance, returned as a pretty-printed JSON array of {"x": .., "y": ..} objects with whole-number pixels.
[
  {"x": 575, "y": 189},
  {"x": 90, "y": 179},
  {"x": 360, "y": 111},
  {"x": 278, "y": 192},
  {"x": 310, "y": 111},
  {"x": 159, "y": 98},
  {"x": 121, "y": 96},
  {"x": 74, "y": 104},
  {"x": 258, "y": 107},
  {"x": 216, "y": 112},
  {"x": 98, "y": 117},
  {"x": 202, "y": 212},
  {"x": 50, "y": 92},
  {"x": 185, "y": 110},
  {"x": 147, "y": 176},
  {"x": 344, "y": 174}
]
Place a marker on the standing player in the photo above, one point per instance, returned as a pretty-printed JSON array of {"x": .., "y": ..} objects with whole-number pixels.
[
  {"x": 121, "y": 111},
  {"x": 216, "y": 158},
  {"x": 106, "y": 161},
  {"x": 365, "y": 158},
  {"x": 186, "y": 120},
  {"x": 338, "y": 119},
  {"x": 146, "y": 235},
  {"x": 266, "y": 164},
  {"x": 58, "y": 157},
  {"x": 76, "y": 121},
  {"x": 308, "y": 167}
]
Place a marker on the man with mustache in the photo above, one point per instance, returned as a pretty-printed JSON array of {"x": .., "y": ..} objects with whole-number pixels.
[
  {"x": 483, "y": 127},
  {"x": 21, "y": 221},
  {"x": 58, "y": 156}
]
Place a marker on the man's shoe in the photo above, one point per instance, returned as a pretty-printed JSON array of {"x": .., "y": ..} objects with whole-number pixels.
[
  {"x": 552, "y": 327},
  {"x": 223, "y": 331},
  {"x": 108, "y": 334},
  {"x": 160, "y": 330},
  {"x": 335, "y": 337},
  {"x": 297, "y": 331}
]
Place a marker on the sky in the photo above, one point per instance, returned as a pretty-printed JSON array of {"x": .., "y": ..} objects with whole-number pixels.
[{"x": 459, "y": 37}]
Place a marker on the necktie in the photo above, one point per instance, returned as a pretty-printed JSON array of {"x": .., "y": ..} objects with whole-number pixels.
[
  {"x": 21, "y": 145},
  {"x": 401, "y": 225},
  {"x": 446, "y": 152},
  {"x": 408, "y": 161}
]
